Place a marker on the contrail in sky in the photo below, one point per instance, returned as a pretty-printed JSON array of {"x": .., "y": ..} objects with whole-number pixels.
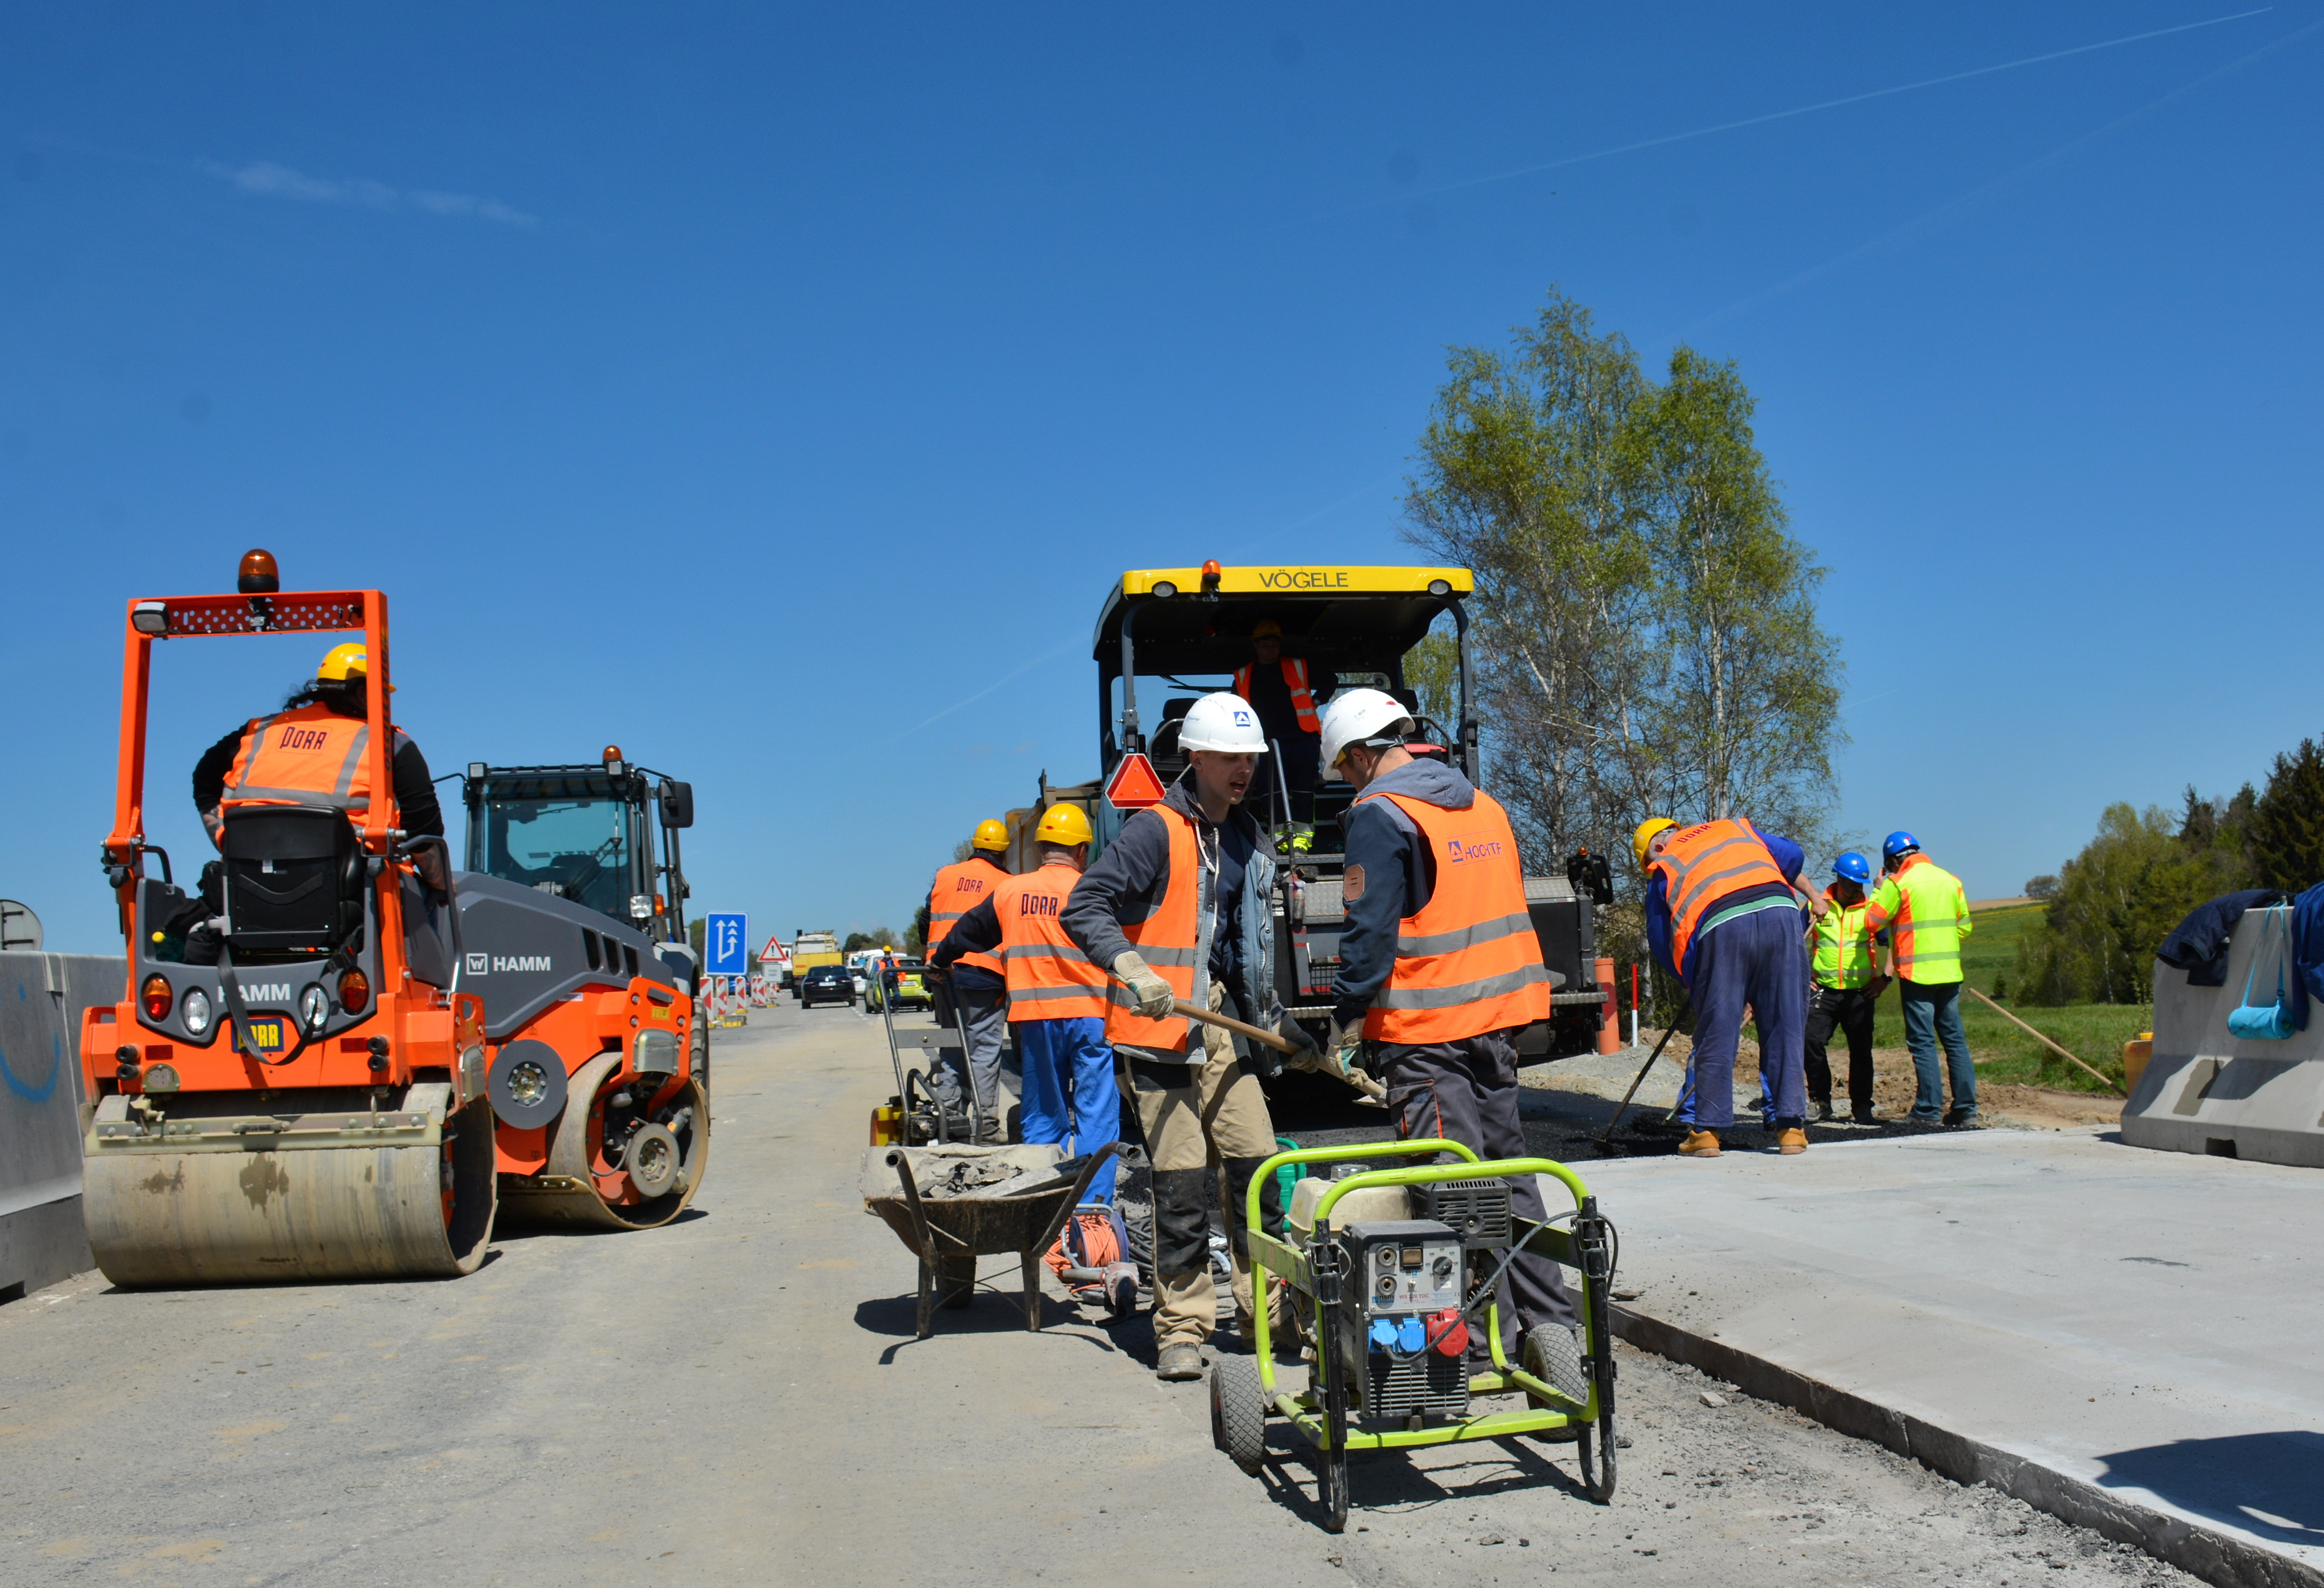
[
  {"x": 1951, "y": 206},
  {"x": 1753, "y": 121}
]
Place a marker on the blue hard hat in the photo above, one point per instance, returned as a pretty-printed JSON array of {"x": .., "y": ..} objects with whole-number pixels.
[
  {"x": 1852, "y": 867},
  {"x": 1897, "y": 843}
]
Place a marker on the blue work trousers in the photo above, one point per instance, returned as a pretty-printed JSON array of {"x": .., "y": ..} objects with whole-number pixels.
[
  {"x": 1070, "y": 1092},
  {"x": 1760, "y": 961},
  {"x": 1933, "y": 1014}
]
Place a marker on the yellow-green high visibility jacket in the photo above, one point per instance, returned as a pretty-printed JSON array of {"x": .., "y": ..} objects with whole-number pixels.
[
  {"x": 1843, "y": 945},
  {"x": 1921, "y": 905}
]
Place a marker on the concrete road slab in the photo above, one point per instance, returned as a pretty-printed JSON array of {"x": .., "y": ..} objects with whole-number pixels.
[{"x": 2140, "y": 1321}]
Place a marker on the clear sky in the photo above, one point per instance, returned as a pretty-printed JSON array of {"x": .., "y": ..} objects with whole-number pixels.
[{"x": 755, "y": 386}]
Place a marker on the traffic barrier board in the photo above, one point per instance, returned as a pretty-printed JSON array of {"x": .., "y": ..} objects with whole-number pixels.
[{"x": 1135, "y": 785}]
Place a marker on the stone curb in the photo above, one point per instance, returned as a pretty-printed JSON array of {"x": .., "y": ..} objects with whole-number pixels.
[{"x": 2216, "y": 1557}]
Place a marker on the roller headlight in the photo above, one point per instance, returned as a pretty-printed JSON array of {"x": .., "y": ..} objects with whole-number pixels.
[
  {"x": 314, "y": 1007},
  {"x": 195, "y": 1010}
]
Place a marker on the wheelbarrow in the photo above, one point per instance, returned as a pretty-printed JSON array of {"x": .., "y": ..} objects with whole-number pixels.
[
  {"x": 1390, "y": 1373},
  {"x": 948, "y": 1233}
]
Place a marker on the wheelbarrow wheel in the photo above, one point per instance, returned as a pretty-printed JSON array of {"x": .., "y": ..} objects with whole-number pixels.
[
  {"x": 1239, "y": 1412},
  {"x": 1598, "y": 1468}
]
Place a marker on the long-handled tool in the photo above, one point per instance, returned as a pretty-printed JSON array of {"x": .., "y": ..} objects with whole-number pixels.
[
  {"x": 1640, "y": 1079},
  {"x": 2045, "y": 1041},
  {"x": 1363, "y": 1083}
]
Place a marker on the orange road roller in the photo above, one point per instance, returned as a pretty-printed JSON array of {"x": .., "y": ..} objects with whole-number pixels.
[{"x": 336, "y": 1057}]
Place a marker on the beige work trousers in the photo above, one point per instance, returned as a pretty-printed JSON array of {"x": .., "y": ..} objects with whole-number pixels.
[{"x": 1218, "y": 1113}]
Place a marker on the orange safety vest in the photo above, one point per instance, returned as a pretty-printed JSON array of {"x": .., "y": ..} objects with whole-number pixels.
[
  {"x": 1049, "y": 979},
  {"x": 1303, "y": 699},
  {"x": 1705, "y": 864},
  {"x": 1165, "y": 940},
  {"x": 1469, "y": 962},
  {"x": 960, "y": 888},
  {"x": 307, "y": 755}
]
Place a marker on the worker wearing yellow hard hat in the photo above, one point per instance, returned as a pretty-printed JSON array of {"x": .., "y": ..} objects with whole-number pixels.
[
  {"x": 969, "y": 998},
  {"x": 1723, "y": 914},
  {"x": 1284, "y": 689},
  {"x": 314, "y": 752},
  {"x": 1056, "y": 997}
]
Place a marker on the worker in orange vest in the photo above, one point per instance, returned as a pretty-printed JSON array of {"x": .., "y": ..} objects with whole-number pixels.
[
  {"x": 970, "y": 998},
  {"x": 313, "y": 752},
  {"x": 1725, "y": 914},
  {"x": 1283, "y": 691},
  {"x": 1180, "y": 905},
  {"x": 1057, "y": 1000},
  {"x": 1440, "y": 970}
]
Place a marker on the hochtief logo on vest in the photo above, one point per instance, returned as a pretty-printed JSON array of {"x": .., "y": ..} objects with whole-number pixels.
[
  {"x": 1459, "y": 851},
  {"x": 485, "y": 963}
]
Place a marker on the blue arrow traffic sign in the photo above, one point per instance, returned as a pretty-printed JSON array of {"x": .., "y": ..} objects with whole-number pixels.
[{"x": 728, "y": 940}]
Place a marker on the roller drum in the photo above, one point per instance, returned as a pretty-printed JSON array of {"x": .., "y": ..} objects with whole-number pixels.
[{"x": 279, "y": 1197}]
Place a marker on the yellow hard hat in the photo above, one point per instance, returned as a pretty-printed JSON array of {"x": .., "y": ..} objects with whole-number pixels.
[
  {"x": 1063, "y": 824},
  {"x": 1266, "y": 626},
  {"x": 340, "y": 660},
  {"x": 992, "y": 833},
  {"x": 1645, "y": 836}
]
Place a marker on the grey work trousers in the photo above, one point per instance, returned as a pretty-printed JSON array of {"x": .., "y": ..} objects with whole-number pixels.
[
  {"x": 1467, "y": 1092},
  {"x": 986, "y": 1016}
]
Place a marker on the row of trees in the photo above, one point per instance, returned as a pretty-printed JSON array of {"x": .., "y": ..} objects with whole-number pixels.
[
  {"x": 1645, "y": 630},
  {"x": 2111, "y": 906}
]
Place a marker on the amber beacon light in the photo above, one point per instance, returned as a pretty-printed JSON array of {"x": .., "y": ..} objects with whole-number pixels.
[{"x": 258, "y": 574}]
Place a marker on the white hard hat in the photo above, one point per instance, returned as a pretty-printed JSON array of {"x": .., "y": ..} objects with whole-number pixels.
[
  {"x": 1355, "y": 716},
  {"x": 1223, "y": 721}
]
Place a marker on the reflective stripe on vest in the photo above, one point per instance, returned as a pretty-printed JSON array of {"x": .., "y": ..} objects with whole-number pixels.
[
  {"x": 1843, "y": 945},
  {"x": 1294, "y": 678},
  {"x": 1704, "y": 864},
  {"x": 960, "y": 888},
  {"x": 1165, "y": 940},
  {"x": 1469, "y": 962},
  {"x": 1049, "y": 978},
  {"x": 1924, "y": 925},
  {"x": 308, "y": 755}
]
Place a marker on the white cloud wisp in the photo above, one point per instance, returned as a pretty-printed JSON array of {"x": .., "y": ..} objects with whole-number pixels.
[{"x": 269, "y": 180}]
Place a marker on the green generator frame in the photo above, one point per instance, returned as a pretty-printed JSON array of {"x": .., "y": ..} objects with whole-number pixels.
[{"x": 1320, "y": 1413}]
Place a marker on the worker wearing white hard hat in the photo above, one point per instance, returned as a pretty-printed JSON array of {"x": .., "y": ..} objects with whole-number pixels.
[
  {"x": 1440, "y": 972},
  {"x": 1180, "y": 907}
]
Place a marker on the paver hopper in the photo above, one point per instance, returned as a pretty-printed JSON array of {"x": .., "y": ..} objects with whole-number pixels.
[{"x": 317, "y": 1090}]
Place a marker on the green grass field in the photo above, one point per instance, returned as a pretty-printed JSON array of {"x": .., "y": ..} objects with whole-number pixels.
[{"x": 2095, "y": 1031}]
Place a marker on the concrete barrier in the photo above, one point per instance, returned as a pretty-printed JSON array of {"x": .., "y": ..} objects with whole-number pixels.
[
  {"x": 42, "y": 996},
  {"x": 2206, "y": 1091}
]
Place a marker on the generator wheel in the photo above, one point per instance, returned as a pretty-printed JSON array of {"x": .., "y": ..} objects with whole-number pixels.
[
  {"x": 1239, "y": 1412},
  {"x": 1543, "y": 1359}
]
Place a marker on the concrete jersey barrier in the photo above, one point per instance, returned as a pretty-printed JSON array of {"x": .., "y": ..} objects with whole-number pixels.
[
  {"x": 42, "y": 996},
  {"x": 2207, "y": 1091}
]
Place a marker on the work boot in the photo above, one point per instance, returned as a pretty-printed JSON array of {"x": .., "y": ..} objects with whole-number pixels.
[
  {"x": 1789, "y": 1141},
  {"x": 1178, "y": 1364},
  {"x": 1960, "y": 1118},
  {"x": 1699, "y": 1144},
  {"x": 1864, "y": 1115},
  {"x": 1823, "y": 1113}
]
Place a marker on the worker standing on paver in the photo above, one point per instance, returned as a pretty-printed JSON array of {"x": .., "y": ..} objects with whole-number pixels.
[
  {"x": 1844, "y": 958},
  {"x": 1440, "y": 970},
  {"x": 1283, "y": 691},
  {"x": 1056, "y": 997},
  {"x": 976, "y": 985},
  {"x": 1722, "y": 915},
  {"x": 1922, "y": 908},
  {"x": 1180, "y": 905}
]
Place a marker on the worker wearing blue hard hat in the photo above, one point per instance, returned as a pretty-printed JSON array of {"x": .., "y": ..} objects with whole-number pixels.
[
  {"x": 1844, "y": 961},
  {"x": 1922, "y": 908}
]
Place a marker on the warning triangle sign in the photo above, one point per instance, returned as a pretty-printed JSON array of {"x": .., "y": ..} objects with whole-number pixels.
[
  {"x": 1135, "y": 785},
  {"x": 774, "y": 949}
]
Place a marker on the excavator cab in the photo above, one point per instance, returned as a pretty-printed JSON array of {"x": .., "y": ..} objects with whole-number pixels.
[{"x": 1168, "y": 636}]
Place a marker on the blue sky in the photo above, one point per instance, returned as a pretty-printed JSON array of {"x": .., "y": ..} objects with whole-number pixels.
[{"x": 749, "y": 386}]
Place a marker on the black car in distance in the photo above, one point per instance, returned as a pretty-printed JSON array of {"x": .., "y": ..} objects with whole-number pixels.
[{"x": 826, "y": 984}]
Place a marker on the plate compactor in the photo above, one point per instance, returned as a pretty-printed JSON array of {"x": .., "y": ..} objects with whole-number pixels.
[{"x": 337, "y": 1055}]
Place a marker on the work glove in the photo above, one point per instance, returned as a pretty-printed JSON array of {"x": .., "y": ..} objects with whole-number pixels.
[
  {"x": 1145, "y": 984},
  {"x": 1344, "y": 1057},
  {"x": 1309, "y": 1057}
]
